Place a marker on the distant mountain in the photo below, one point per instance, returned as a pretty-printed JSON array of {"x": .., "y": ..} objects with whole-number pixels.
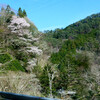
[
  {"x": 84, "y": 26},
  {"x": 77, "y": 58}
]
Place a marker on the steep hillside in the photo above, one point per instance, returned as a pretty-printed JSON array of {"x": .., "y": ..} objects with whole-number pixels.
[
  {"x": 87, "y": 25},
  {"x": 19, "y": 54},
  {"x": 64, "y": 63},
  {"x": 20, "y": 43},
  {"x": 77, "y": 59}
]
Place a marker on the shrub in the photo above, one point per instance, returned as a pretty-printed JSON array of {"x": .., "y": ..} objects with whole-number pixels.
[
  {"x": 1, "y": 30},
  {"x": 83, "y": 61},
  {"x": 20, "y": 82},
  {"x": 25, "y": 36},
  {"x": 15, "y": 66},
  {"x": 21, "y": 56},
  {"x": 4, "y": 58},
  {"x": 17, "y": 44},
  {"x": 37, "y": 70}
]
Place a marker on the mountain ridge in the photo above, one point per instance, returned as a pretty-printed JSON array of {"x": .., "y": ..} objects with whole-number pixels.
[{"x": 63, "y": 63}]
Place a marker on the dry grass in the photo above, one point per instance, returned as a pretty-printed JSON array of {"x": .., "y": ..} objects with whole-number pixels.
[{"x": 21, "y": 83}]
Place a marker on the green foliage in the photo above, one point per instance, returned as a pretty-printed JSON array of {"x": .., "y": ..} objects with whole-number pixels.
[
  {"x": 37, "y": 70},
  {"x": 25, "y": 36},
  {"x": 21, "y": 56},
  {"x": 8, "y": 19},
  {"x": 24, "y": 13},
  {"x": 17, "y": 44},
  {"x": 81, "y": 42},
  {"x": 52, "y": 42},
  {"x": 72, "y": 65},
  {"x": 84, "y": 26},
  {"x": 1, "y": 30},
  {"x": 4, "y": 58},
  {"x": 14, "y": 66},
  {"x": 44, "y": 80},
  {"x": 8, "y": 9},
  {"x": 67, "y": 48},
  {"x": 83, "y": 61},
  {"x": 21, "y": 13},
  {"x": 12, "y": 13},
  {"x": 6, "y": 15}
]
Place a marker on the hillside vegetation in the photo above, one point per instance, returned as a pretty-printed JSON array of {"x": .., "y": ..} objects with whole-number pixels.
[
  {"x": 60, "y": 63},
  {"x": 77, "y": 59},
  {"x": 18, "y": 53}
]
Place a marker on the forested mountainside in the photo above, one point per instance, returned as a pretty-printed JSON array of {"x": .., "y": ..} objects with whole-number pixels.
[
  {"x": 87, "y": 25},
  {"x": 61, "y": 63},
  {"x": 78, "y": 58}
]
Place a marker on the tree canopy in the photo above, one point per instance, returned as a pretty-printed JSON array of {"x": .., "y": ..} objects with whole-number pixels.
[{"x": 21, "y": 13}]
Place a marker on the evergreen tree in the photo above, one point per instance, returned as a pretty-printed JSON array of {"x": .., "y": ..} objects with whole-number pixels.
[
  {"x": 2, "y": 9},
  {"x": 2, "y": 16},
  {"x": 24, "y": 13},
  {"x": 8, "y": 9},
  {"x": 2, "y": 13},
  {"x": 12, "y": 13},
  {"x": 20, "y": 13}
]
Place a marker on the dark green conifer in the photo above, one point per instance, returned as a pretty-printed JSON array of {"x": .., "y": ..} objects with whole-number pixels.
[
  {"x": 8, "y": 9},
  {"x": 20, "y": 13},
  {"x": 24, "y": 13}
]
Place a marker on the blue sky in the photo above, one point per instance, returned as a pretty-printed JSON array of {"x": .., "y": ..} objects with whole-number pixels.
[{"x": 51, "y": 14}]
